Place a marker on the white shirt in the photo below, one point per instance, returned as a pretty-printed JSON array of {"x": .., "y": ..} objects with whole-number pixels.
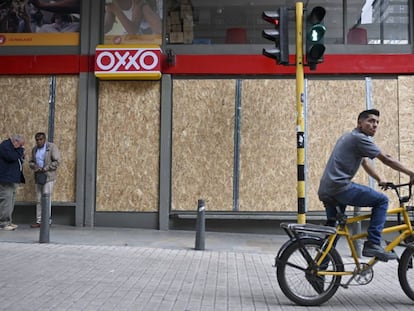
[{"x": 40, "y": 156}]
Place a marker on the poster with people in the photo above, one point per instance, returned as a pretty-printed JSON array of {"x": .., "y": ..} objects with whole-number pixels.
[
  {"x": 39, "y": 22},
  {"x": 133, "y": 21}
]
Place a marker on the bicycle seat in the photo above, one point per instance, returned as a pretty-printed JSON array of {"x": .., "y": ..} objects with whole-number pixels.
[{"x": 308, "y": 228}]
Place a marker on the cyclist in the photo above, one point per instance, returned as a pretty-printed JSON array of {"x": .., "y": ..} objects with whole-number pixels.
[{"x": 336, "y": 188}]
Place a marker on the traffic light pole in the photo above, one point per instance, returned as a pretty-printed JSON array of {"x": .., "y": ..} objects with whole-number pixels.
[{"x": 300, "y": 120}]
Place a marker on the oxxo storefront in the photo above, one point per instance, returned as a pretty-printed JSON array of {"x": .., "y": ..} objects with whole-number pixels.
[{"x": 199, "y": 121}]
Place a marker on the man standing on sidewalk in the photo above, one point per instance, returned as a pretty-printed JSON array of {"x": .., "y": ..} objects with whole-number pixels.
[
  {"x": 44, "y": 162},
  {"x": 11, "y": 174}
]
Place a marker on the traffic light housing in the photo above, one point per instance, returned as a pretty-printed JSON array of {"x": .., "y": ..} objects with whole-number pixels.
[
  {"x": 279, "y": 35},
  {"x": 315, "y": 33}
]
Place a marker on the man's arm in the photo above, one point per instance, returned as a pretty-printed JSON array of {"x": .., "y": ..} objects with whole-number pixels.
[
  {"x": 12, "y": 154},
  {"x": 54, "y": 157},
  {"x": 369, "y": 168},
  {"x": 396, "y": 165}
]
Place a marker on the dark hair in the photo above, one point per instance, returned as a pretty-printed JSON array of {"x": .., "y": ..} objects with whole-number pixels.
[
  {"x": 365, "y": 114},
  {"x": 40, "y": 134}
]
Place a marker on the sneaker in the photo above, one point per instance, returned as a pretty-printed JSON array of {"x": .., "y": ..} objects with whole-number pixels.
[
  {"x": 13, "y": 225},
  {"x": 374, "y": 250},
  {"x": 9, "y": 228},
  {"x": 35, "y": 225}
]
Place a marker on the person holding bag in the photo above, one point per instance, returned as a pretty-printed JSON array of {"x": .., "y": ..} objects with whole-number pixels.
[{"x": 44, "y": 162}]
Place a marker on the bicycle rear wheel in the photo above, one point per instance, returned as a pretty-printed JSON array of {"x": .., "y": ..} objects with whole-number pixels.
[
  {"x": 297, "y": 280},
  {"x": 406, "y": 272}
]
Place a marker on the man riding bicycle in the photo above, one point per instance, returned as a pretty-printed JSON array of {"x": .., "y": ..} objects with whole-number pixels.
[{"x": 336, "y": 188}]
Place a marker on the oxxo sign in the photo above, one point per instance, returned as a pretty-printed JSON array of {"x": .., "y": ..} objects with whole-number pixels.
[{"x": 128, "y": 62}]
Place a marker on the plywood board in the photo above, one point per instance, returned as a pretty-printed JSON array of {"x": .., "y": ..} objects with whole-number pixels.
[
  {"x": 329, "y": 116},
  {"x": 128, "y": 146},
  {"x": 203, "y": 139},
  {"x": 268, "y": 153},
  {"x": 24, "y": 108},
  {"x": 405, "y": 119}
]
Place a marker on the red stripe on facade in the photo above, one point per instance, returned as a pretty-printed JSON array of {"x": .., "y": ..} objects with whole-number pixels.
[
  {"x": 216, "y": 64},
  {"x": 261, "y": 65},
  {"x": 39, "y": 64},
  {"x": 87, "y": 63}
]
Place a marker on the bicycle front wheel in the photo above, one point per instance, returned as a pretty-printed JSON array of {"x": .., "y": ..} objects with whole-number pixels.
[
  {"x": 406, "y": 272},
  {"x": 299, "y": 282}
]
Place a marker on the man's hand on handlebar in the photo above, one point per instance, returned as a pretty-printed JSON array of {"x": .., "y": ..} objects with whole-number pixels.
[
  {"x": 386, "y": 185},
  {"x": 412, "y": 179}
]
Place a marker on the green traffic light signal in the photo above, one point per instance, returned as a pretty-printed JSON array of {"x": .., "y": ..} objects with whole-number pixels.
[{"x": 315, "y": 32}]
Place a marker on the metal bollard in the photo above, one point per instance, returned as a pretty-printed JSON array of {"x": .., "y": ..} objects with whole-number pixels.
[
  {"x": 200, "y": 226},
  {"x": 45, "y": 226}
]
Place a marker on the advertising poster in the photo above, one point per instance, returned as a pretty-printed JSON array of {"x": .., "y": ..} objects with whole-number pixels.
[
  {"x": 133, "y": 21},
  {"x": 39, "y": 22}
]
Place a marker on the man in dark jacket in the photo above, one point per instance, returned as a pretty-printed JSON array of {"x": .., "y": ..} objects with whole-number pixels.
[{"x": 11, "y": 174}]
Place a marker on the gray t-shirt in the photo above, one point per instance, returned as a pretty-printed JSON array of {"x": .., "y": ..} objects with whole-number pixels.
[{"x": 344, "y": 162}]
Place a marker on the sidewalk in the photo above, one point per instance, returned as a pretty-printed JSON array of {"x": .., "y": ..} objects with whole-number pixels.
[{"x": 138, "y": 269}]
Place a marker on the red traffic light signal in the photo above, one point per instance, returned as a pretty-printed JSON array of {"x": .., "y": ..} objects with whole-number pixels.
[{"x": 279, "y": 35}]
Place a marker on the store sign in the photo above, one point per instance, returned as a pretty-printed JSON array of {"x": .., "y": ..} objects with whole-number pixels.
[{"x": 133, "y": 62}]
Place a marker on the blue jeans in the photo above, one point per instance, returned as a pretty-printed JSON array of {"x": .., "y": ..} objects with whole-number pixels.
[{"x": 362, "y": 196}]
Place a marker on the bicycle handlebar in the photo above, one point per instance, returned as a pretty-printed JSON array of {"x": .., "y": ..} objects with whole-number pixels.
[{"x": 402, "y": 199}]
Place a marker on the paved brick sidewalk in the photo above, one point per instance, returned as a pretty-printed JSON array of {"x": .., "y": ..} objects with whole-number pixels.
[{"x": 89, "y": 277}]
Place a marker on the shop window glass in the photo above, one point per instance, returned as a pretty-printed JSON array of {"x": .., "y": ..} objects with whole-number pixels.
[
  {"x": 240, "y": 22},
  {"x": 379, "y": 22},
  {"x": 133, "y": 21},
  {"x": 39, "y": 23}
]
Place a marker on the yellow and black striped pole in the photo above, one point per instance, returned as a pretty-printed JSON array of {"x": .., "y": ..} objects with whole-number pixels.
[{"x": 300, "y": 119}]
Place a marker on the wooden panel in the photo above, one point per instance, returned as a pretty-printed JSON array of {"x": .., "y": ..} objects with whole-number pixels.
[
  {"x": 385, "y": 99},
  {"x": 406, "y": 117},
  {"x": 203, "y": 139},
  {"x": 65, "y": 136},
  {"x": 330, "y": 116},
  {"x": 268, "y": 178},
  {"x": 128, "y": 146},
  {"x": 24, "y": 108}
]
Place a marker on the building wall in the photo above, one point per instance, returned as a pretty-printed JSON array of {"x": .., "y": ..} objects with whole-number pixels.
[
  {"x": 128, "y": 146},
  {"x": 268, "y": 146},
  {"x": 332, "y": 110},
  {"x": 24, "y": 109},
  {"x": 203, "y": 137},
  {"x": 202, "y": 152}
]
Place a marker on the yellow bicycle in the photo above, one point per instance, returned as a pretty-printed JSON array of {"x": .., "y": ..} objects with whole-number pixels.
[{"x": 309, "y": 268}]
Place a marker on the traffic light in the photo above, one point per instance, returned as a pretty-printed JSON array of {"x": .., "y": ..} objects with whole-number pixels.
[
  {"x": 315, "y": 32},
  {"x": 279, "y": 35}
]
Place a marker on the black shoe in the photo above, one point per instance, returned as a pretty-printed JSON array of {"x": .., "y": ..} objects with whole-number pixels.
[{"x": 374, "y": 250}]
